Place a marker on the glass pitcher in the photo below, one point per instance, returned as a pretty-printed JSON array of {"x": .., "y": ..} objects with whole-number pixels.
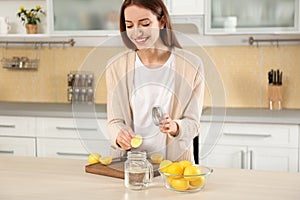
[{"x": 138, "y": 170}]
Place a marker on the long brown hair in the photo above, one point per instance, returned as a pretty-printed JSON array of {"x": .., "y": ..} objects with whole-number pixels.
[{"x": 159, "y": 9}]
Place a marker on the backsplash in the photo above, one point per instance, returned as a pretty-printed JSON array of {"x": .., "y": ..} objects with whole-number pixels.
[{"x": 243, "y": 70}]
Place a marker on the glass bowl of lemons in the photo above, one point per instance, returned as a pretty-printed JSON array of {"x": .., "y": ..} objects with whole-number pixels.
[{"x": 183, "y": 176}]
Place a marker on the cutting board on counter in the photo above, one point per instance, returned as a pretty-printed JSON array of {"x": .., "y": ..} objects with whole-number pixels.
[{"x": 115, "y": 169}]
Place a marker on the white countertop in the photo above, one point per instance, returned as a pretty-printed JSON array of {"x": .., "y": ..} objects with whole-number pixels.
[
  {"x": 59, "y": 179},
  {"x": 244, "y": 115},
  {"x": 251, "y": 115}
]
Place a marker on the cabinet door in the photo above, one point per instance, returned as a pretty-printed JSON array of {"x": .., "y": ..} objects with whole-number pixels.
[
  {"x": 274, "y": 159},
  {"x": 188, "y": 7},
  {"x": 70, "y": 148},
  {"x": 93, "y": 16},
  {"x": 244, "y": 16},
  {"x": 17, "y": 126},
  {"x": 17, "y": 146},
  {"x": 84, "y": 128},
  {"x": 225, "y": 156}
]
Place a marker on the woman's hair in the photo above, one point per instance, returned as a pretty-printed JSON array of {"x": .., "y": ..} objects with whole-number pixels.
[{"x": 159, "y": 9}]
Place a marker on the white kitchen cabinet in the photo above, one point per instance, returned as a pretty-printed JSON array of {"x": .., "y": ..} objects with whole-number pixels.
[
  {"x": 187, "y": 7},
  {"x": 71, "y": 138},
  {"x": 70, "y": 148},
  {"x": 251, "y": 17},
  {"x": 17, "y": 146},
  {"x": 82, "y": 17},
  {"x": 17, "y": 126},
  {"x": 252, "y": 146},
  {"x": 272, "y": 158},
  {"x": 225, "y": 156},
  {"x": 17, "y": 136}
]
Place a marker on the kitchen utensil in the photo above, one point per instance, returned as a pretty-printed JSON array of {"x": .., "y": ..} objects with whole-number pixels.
[
  {"x": 157, "y": 115},
  {"x": 195, "y": 182},
  {"x": 275, "y": 89},
  {"x": 280, "y": 79}
]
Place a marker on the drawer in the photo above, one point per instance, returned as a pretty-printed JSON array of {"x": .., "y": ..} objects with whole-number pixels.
[
  {"x": 71, "y": 128},
  {"x": 17, "y": 146},
  {"x": 250, "y": 134},
  {"x": 17, "y": 126},
  {"x": 71, "y": 148}
]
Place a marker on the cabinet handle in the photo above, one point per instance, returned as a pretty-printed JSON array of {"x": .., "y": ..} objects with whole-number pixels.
[
  {"x": 74, "y": 129},
  {"x": 71, "y": 154},
  {"x": 242, "y": 159},
  {"x": 247, "y": 134},
  {"x": 7, "y": 152},
  {"x": 251, "y": 159},
  {"x": 7, "y": 126}
]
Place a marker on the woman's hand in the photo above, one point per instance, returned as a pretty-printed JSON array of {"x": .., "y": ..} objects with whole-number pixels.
[
  {"x": 124, "y": 138},
  {"x": 168, "y": 126}
]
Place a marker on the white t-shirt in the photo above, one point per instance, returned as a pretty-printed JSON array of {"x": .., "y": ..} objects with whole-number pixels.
[{"x": 151, "y": 87}]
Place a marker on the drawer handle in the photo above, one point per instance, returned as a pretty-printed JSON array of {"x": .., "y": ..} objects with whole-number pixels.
[
  {"x": 7, "y": 152},
  {"x": 251, "y": 159},
  {"x": 7, "y": 126},
  {"x": 74, "y": 129},
  {"x": 71, "y": 154},
  {"x": 247, "y": 134},
  {"x": 242, "y": 159}
]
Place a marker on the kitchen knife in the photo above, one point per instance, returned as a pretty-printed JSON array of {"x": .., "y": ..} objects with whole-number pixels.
[
  {"x": 270, "y": 77},
  {"x": 280, "y": 79},
  {"x": 274, "y": 78},
  {"x": 277, "y": 76}
]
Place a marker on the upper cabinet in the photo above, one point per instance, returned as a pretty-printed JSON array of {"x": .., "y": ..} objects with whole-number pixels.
[
  {"x": 83, "y": 17},
  {"x": 185, "y": 7},
  {"x": 255, "y": 16}
]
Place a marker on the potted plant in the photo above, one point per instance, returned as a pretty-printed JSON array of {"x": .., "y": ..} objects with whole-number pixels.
[{"x": 30, "y": 18}]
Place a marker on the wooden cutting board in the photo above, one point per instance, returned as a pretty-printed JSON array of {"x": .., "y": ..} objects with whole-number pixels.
[{"x": 115, "y": 169}]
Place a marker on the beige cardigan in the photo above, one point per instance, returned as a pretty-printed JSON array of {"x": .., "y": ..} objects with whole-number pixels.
[{"x": 187, "y": 101}]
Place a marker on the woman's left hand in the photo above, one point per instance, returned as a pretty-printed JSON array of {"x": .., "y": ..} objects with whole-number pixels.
[{"x": 168, "y": 126}]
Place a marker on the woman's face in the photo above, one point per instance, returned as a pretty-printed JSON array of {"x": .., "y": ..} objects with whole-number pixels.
[{"x": 142, "y": 27}]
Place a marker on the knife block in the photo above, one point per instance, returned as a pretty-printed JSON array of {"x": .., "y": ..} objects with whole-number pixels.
[{"x": 275, "y": 97}]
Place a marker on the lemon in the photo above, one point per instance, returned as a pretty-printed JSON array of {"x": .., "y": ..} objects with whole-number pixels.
[
  {"x": 175, "y": 169},
  {"x": 163, "y": 166},
  {"x": 180, "y": 184},
  {"x": 185, "y": 163},
  {"x": 136, "y": 141},
  {"x": 156, "y": 158},
  {"x": 105, "y": 160},
  {"x": 94, "y": 158},
  {"x": 190, "y": 171},
  {"x": 198, "y": 182},
  {"x": 169, "y": 180}
]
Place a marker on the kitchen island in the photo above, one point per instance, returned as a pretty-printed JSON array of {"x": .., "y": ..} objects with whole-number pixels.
[{"x": 53, "y": 178}]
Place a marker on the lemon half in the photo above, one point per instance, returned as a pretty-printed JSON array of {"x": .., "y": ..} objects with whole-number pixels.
[
  {"x": 156, "y": 158},
  {"x": 94, "y": 158},
  {"x": 163, "y": 166},
  {"x": 136, "y": 141},
  {"x": 105, "y": 160}
]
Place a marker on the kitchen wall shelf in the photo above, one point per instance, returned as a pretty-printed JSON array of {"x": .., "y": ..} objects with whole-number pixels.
[
  {"x": 70, "y": 42},
  {"x": 16, "y": 64},
  {"x": 277, "y": 41}
]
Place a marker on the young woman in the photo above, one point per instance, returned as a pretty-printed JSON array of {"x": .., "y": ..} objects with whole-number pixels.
[{"x": 154, "y": 72}]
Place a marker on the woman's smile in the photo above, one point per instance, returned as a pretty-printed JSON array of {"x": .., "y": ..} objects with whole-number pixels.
[{"x": 141, "y": 41}]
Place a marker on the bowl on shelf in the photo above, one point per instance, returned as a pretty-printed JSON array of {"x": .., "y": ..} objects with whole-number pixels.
[{"x": 186, "y": 183}]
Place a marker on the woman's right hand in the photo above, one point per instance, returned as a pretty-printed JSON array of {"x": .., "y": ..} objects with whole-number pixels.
[{"x": 124, "y": 138}]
